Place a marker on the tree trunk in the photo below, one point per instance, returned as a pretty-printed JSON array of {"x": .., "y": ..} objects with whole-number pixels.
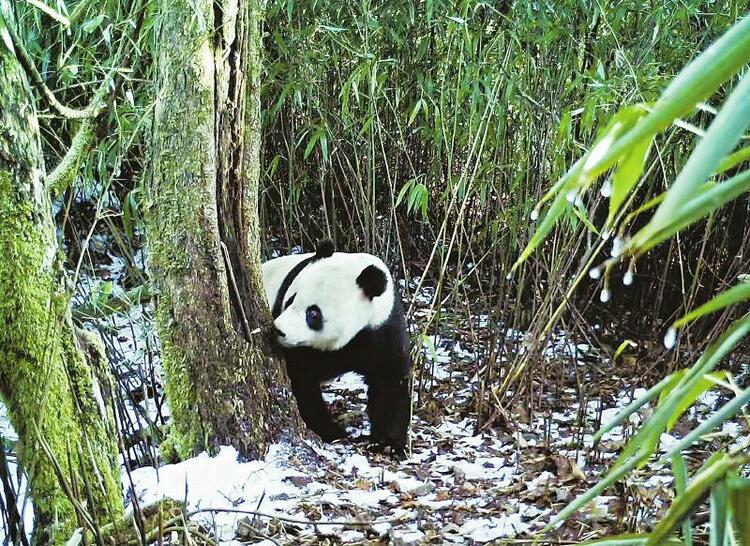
[
  {"x": 66, "y": 446},
  {"x": 223, "y": 384}
]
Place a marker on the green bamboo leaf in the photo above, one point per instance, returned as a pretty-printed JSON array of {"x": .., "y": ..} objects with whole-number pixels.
[
  {"x": 600, "y": 159},
  {"x": 545, "y": 226},
  {"x": 696, "y": 491},
  {"x": 130, "y": 213},
  {"x": 613, "y": 476},
  {"x": 702, "y": 385},
  {"x": 581, "y": 214},
  {"x": 706, "y": 200},
  {"x": 701, "y": 78},
  {"x": 414, "y": 112},
  {"x": 629, "y": 540},
  {"x": 722, "y": 136},
  {"x": 624, "y": 345},
  {"x": 312, "y": 142},
  {"x": 643, "y": 443},
  {"x": 731, "y": 161},
  {"x": 696, "y": 82},
  {"x": 562, "y": 182},
  {"x": 679, "y": 470},
  {"x": 335, "y": 30},
  {"x": 729, "y": 410},
  {"x": 92, "y": 24},
  {"x": 739, "y": 502},
  {"x": 626, "y": 175},
  {"x": 405, "y": 190},
  {"x": 324, "y": 144},
  {"x": 634, "y": 406},
  {"x": 289, "y": 9},
  {"x": 736, "y": 294},
  {"x": 719, "y": 514}
]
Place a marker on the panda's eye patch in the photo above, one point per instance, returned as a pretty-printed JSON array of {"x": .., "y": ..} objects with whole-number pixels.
[
  {"x": 314, "y": 317},
  {"x": 289, "y": 301}
]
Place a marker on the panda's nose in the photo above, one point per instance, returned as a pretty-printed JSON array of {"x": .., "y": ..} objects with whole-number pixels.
[{"x": 278, "y": 332}]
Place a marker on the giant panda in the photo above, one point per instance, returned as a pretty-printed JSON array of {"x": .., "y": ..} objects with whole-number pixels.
[{"x": 336, "y": 312}]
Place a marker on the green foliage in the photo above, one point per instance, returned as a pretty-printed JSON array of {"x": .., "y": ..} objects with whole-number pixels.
[
  {"x": 622, "y": 147},
  {"x": 624, "y": 143},
  {"x": 677, "y": 392},
  {"x": 433, "y": 105}
]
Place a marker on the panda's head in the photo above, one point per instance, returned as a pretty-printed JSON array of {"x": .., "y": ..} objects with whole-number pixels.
[{"x": 334, "y": 298}]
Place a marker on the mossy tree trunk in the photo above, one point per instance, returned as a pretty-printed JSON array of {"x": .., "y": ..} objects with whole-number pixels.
[
  {"x": 223, "y": 384},
  {"x": 66, "y": 442}
]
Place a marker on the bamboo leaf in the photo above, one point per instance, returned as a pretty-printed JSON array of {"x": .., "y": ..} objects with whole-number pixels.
[
  {"x": 722, "y": 136},
  {"x": 312, "y": 142},
  {"x": 703, "y": 384},
  {"x": 634, "y": 406},
  {"x": 679, "y": 470},
  {"x": 732, "y": 160},
  {"x": 414, "y": 112},
  {"x": 739, "y": 502},
  {"x": 729, "y": 410},
  {"x": 642, "y": 444},
  {"x": 624, "y": 345},
  {"x": 545, "y": 226},
  {"x": 626, "y": 175},
  {"x": 629, "y": 540},
  {"x": 736, "y": 294},
  {"x": 92, "y": 24},
  {"x": 403, "y": 191},
  {"x": 581, "y": 214},
  {"x": 614, "y": 475},
  {"x": 719, "y": 513},
  {"x": 704, "y": 203},
  {"x": 683, "y": 504}
]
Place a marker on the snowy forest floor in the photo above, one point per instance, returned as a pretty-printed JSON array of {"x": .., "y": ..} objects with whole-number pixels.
[{"x": 459, "y": 485}]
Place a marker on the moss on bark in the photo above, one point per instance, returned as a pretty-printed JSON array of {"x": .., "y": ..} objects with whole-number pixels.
[
  {"x": 45, "y": 380},
  {"x": 223, "y": 385}
]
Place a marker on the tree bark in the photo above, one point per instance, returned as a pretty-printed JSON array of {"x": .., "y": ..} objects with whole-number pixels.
[
  {"x": 223, "y": 384},
  {"x": 66, "y": 446}
]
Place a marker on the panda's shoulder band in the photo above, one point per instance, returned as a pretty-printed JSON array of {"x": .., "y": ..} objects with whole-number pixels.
[{"x": 325, "y": 250}]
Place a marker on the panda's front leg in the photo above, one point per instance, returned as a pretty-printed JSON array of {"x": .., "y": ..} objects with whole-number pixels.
[
  {"x": 312, "y": 408},
  {"x": 389, "y": 410}
]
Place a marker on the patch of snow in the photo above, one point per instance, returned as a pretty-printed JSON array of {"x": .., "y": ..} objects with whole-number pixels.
[
  {"x": 222, "y": 482},
  {"x": 488, "y": 529}
]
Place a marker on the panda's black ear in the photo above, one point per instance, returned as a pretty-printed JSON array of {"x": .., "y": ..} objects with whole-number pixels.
[
  {"x": 372, "y": 281},
  {"x": 325, "y": 249}
]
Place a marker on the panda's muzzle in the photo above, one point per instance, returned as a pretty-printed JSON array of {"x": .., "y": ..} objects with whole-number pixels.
[{"x": 278, "y": 332}]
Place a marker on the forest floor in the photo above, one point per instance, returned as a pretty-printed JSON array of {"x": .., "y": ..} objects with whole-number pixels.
[{"x": 459, "y": 484}]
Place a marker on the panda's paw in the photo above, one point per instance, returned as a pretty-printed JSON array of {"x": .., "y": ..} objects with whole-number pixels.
[
  {"x": 395, "y": 452},
  {"x": 331, "y": 432}
]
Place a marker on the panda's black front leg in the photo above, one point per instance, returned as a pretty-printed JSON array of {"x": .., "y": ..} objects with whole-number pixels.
[
  {"x": 312, "y": 408},
  {"x": 389, "y": 410}
]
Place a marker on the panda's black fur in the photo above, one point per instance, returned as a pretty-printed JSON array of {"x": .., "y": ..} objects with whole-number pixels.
[{"x": 380, "y": 355}]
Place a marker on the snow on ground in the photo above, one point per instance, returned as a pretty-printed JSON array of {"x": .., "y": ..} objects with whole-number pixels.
[
  {"x": 461, "y": 484},
  {"x": 456, "y": 487},
  {"x": 452, "y": 486}
]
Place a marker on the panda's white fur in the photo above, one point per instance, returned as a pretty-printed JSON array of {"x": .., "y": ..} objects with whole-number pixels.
[
  {"x": 334, "y": 313},
  {"x": 330, "y": 284}
]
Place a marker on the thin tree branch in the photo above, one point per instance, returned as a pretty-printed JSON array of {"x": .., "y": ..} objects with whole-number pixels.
[
  {"x": 93, "y": 109},
  {"x": 66, "y": 169}
]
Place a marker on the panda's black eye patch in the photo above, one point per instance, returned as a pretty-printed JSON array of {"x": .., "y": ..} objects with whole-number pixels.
[
  {"x": 314, "y": 318},
  {"x": 289, "y": 301}
]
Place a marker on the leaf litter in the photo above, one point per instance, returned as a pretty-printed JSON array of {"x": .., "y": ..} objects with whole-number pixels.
[{"x": 460, "y": 484}]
